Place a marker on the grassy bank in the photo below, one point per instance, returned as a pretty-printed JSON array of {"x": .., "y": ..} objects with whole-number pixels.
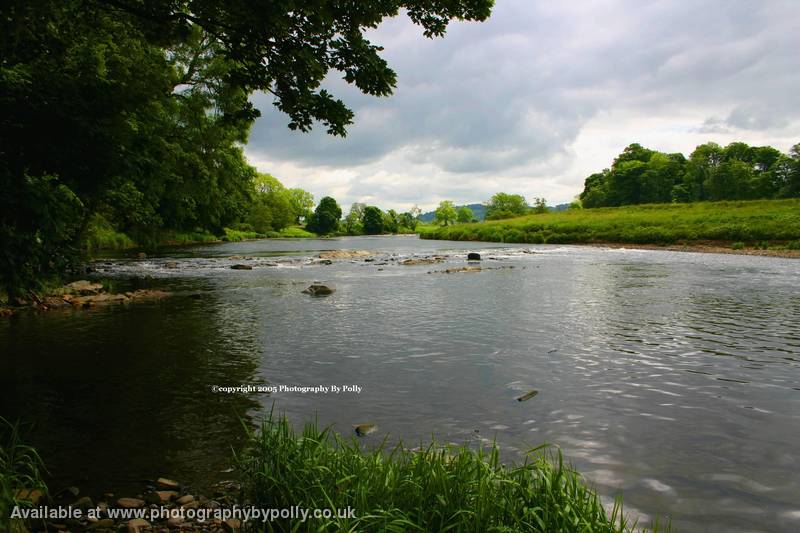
[
  {"x": 428, "y": 489},
  {"x": 101, "y": 235},
  {"x": 432, "y": 489},
  {"x": 760, "y": 223}
]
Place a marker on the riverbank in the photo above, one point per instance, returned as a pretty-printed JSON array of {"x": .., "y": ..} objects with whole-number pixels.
[
  {"x": 102, "y": 237},
  {"x": 358, "y": 488},
  {"x": 752, "y": 227}
]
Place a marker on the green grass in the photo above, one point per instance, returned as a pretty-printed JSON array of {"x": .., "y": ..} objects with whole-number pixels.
[
  {"x": 292, "y": 232},
  {"x": 430, "y": 489},
  {"x": 101, "y": 235},
  {"x": 237, "y": 235},
  {"x": 424, "y": 229},
  {"x": 21, "y": 471},
  {"x": 751, "y": 223}
]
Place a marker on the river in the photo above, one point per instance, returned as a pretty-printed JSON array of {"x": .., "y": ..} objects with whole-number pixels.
[{"x": 673, "y": 378}]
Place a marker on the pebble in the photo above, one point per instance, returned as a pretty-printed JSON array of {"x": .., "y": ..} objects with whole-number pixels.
[
  {"x": 185, "y": 499},
  {"x": 130, "y": 503},
  {"x": 168, "y": 484},
  {"x": 137, "y": 525}
]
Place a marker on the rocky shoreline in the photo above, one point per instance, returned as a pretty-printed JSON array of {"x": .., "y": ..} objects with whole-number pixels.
[
  {"x": 163, "y": 506},
  {"x": 80, "y": 294}
]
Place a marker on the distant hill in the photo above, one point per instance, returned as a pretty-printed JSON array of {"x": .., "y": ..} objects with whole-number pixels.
[{"x": 478, "y": 210}]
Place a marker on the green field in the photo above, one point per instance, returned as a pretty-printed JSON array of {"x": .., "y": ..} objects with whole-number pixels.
[{"x": 759, "y": 223}]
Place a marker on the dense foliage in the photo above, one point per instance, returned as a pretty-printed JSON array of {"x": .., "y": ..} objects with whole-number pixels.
[
  {"x": 504, "y": 205},
  {"x": 136, "y": 112},
  {"x": 446, "y": 213},
  {"x": 735, "y": 172},
  {"x": 326, "y": 217}
]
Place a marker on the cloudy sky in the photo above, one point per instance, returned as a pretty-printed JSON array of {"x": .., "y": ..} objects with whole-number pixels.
[{"x": 545, "y": 93}]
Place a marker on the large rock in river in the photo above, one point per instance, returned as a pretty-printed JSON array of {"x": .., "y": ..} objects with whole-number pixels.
[
  {"x": 473, "y": 256},
  {"x": 317, "y": 289}
]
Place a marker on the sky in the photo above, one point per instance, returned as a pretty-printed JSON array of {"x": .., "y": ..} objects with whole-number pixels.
[{"x": 544, "y": 93}]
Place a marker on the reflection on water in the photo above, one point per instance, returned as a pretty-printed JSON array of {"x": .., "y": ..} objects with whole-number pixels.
[
  {"x": 120, "y": 395},
  {"x": 672, "y": 377}
]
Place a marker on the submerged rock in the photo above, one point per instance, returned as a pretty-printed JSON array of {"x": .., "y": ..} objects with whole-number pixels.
[
  {"x": 344, "y": 254},
  {"x": 363, "y": 430},
  {"x": 473, "y": 256},
  {"x": 462, "y": 269},
  {"x": 241, "y": 267},
  {"x": 318, "y": 289},
  {"x": 422, "y": 261},
  {"x": 171, "y": 264}
]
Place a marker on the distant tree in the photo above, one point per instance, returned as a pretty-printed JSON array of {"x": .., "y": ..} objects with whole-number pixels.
[
  {"x": 663, "y": 172},
  {"x": 445, "y": 214},
  {"x": 372, "y": 220},
  {"x": 504, "y": 205},
  {"x": 353, "y": 224},
  {"x": 271, "y": 208},
  {"x": 408, "y": 220},
  {"x": 391, "y": 221},
  {"x": 633, "y": 152},
  {"x": 415, "y": 211},
  {"x": 594, "y": 190},
  {"x": 701, "y": 164},
  {"x": 539, "y": 205},
  {"x": 302, "y": 204},
  {"x": 735, "y": 172},
  {"x": 624, "y": 184},
  {"x": 464, "y": 215},
  {"x": 786, "y": 174},
  {"x": 326, "y": 217}
]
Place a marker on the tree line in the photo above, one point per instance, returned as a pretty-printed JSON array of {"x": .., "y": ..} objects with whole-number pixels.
[
  {"x": 502, "y": 205},
  {"x": 712, "y": 172}
]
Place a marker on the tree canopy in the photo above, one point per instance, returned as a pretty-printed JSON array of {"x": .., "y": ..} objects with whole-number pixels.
[
  {"x": 735, "y": 172},
  {"x": 326, "y": 217},
  {"x": 504, "y": 205},
  {"x": 372, "y": 220},
  {"x": 446, "y": 213}
]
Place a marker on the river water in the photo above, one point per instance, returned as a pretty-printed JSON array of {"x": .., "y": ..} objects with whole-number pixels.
[{"x": 673, "y": 378}]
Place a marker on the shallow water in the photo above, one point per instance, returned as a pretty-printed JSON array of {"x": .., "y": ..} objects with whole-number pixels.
[{"x": 672, "y": 377}]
